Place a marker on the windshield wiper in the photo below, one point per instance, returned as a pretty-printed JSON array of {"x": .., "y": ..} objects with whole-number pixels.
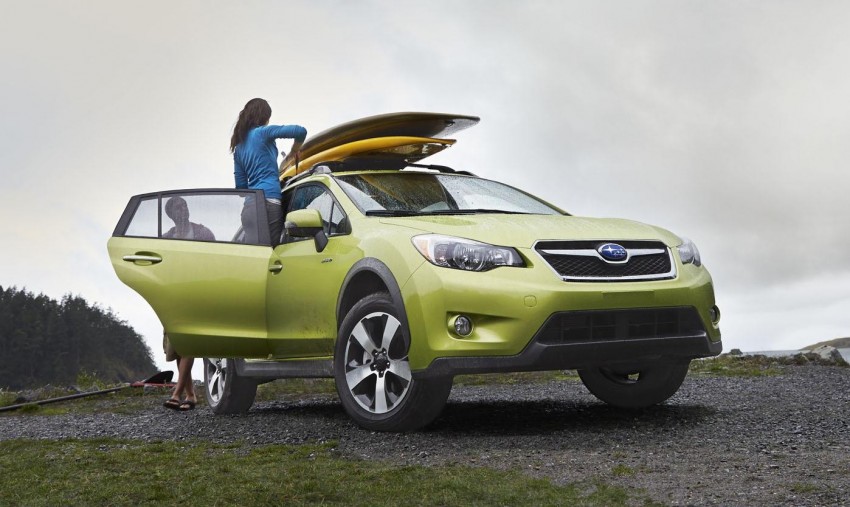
[
  {"x": 412, "y": 213},
  {"x": 392, "y": 213},
  {"x": 474, "y": 211}
]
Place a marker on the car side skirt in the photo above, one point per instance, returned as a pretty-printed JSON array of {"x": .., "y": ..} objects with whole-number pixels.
[{"x": 271, "y": 370}]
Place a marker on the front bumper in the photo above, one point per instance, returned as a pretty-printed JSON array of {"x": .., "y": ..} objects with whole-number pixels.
[
  {"x": 540, "y": 356},
  {"x": 512, "y": 310}
]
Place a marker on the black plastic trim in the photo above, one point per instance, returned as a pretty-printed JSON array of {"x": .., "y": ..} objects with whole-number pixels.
[
  {"x": 378, "y": 268},
  {"x": 540, "y": 357}
]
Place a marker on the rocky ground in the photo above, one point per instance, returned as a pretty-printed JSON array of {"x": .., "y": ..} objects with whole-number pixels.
[{"x": 777, "y": 440}]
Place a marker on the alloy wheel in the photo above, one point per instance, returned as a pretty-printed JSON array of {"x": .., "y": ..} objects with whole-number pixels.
[
  {"x": 377, "y": 370},
  {"x": 216, "y": 375}
]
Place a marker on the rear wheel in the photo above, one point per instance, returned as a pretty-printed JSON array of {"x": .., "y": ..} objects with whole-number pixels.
[
  {"x": 635, "y": 386},
  {"x": 372, "y": 370},
  {"x": 226, "y": 392}
]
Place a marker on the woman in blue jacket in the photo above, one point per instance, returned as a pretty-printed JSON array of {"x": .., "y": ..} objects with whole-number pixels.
[{"x": 255, "y": 162}]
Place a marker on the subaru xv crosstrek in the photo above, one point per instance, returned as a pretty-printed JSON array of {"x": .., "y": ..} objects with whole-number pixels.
[{"x": 392, "y": 276}]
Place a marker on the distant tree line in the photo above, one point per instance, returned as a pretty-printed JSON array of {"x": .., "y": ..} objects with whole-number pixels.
[{"x": 43, "y": 341}]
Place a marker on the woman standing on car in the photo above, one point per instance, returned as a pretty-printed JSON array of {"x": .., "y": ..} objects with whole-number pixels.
[{"x": 255, "y": 162}]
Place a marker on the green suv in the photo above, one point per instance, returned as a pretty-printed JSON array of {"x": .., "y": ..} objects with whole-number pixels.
[{"x": 394, "y": 276}]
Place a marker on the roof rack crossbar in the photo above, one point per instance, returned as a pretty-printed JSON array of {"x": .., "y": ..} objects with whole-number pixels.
[
  {"x": 333, "y": 166},
  {"x": 441, "y": 168},
  {"x": 434, "y": 167}
]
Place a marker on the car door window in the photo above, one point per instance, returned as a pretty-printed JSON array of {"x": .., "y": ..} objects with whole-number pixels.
[
  {"x": 318, "y": 198},
  {"x": 230, "y": 217},
  {"x": 145, "y": 221}
]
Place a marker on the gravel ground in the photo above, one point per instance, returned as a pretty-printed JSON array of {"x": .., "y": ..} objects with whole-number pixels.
[{"x": 781, "y": 440}]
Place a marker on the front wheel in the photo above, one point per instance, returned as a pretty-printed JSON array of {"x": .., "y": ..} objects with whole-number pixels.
[
  {"x": 635, "y": 386},
  {"x": 372, "y": 370},
  {"x": 226, "y": 392}
]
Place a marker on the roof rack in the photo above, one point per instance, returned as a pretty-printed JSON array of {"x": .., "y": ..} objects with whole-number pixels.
[
  {"x": 441, "y": 168},
  {"x": 370, "y": 163},
  {"x": 320, "y": 168}
]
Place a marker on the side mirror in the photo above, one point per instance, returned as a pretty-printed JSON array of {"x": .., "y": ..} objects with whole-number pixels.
[{"x": 306, "y": 223}]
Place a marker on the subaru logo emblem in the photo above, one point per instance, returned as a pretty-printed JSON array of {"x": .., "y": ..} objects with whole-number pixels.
[{"x": 612, "y": 252}]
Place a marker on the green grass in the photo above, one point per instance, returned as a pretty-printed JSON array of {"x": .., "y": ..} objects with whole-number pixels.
[
  {"x": 728, "y": 365},
  {"x": 803, "y": 487},
  {"x": 735, "y": 366},
  {"x": 125, "y": 401},
  {"x": 622, "y": 470},
  {"x": 89, "y": 381},
  {"x": 119, "y": 472},
  {"x": 7, "y": 398}
]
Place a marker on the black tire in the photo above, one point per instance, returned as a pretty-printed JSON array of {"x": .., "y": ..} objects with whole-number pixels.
[
  {"x": 226, "y": 392},
  {"x": 372, "y": 370},
  {"x": 635, "y": 386}
]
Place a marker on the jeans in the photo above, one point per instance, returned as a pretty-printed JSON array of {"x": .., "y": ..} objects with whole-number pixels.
[{"x": 274, "y": 210}]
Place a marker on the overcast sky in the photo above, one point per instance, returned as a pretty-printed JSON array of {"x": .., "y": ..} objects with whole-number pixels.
[{"x": 725, "y": 122}]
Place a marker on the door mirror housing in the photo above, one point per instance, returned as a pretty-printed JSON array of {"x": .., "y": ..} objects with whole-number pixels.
[{"x": 306, "y": 223}]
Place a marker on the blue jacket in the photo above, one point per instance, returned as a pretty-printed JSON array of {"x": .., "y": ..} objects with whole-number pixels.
[{"x": 255, "y": 158}]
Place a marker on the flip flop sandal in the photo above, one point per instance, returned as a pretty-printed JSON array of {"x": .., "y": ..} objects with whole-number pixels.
[
  {"x": 172, "y": 403},
  {"x": 187, "y": 405}
]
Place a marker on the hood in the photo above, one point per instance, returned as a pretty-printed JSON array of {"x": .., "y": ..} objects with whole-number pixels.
[{"x": 523, "y": 231}]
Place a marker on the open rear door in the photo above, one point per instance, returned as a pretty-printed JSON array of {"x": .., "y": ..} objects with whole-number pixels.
[{"x": 206, "y": 281}]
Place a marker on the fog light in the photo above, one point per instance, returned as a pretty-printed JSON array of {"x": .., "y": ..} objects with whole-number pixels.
[
  {"x": 463, "y": 326},
  {"x": 714, "y": 313}
]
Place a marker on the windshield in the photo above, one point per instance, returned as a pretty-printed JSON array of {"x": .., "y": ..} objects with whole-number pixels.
[{"x": 400, "y": 194}]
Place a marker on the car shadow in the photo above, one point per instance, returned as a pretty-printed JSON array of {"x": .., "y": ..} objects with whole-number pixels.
[
  {"x": 527, "y": 417},
  {"x": 540, "y": 417}
]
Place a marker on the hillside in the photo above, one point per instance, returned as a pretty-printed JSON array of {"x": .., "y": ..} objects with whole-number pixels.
[
  {"x": 43, "y": 341},
  {"x": 839, "y": 343}
]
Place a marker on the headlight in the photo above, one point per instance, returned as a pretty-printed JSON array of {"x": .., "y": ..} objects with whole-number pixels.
[
  {"x": 459, "y": 253},
  {"x": 688, "y": 253}
]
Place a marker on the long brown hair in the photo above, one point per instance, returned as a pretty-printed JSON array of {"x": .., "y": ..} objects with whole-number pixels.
[{"x": 256, "y": 112}]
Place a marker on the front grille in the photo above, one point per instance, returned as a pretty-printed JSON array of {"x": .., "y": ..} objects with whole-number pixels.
[
  {"x": 579, "y": 261},
  {"x": 609, "y": 325}
]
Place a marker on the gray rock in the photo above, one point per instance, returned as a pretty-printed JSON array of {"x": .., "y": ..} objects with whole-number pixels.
[{"x": 829, "y": 353}]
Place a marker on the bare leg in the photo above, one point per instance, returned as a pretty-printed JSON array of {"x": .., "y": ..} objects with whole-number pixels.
[
  {"x": 177, "y": 393},
  {"x": 185, "y": 372},
  {"x": 184, "y": 379}
]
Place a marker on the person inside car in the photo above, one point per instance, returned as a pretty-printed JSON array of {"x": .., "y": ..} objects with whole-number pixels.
[{"x": 178, "y": 211}]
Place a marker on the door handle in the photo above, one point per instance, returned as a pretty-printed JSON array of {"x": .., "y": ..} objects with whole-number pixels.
[
  {"x": 153, "y": 259},
  {"x": 276, "y": 268}
]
